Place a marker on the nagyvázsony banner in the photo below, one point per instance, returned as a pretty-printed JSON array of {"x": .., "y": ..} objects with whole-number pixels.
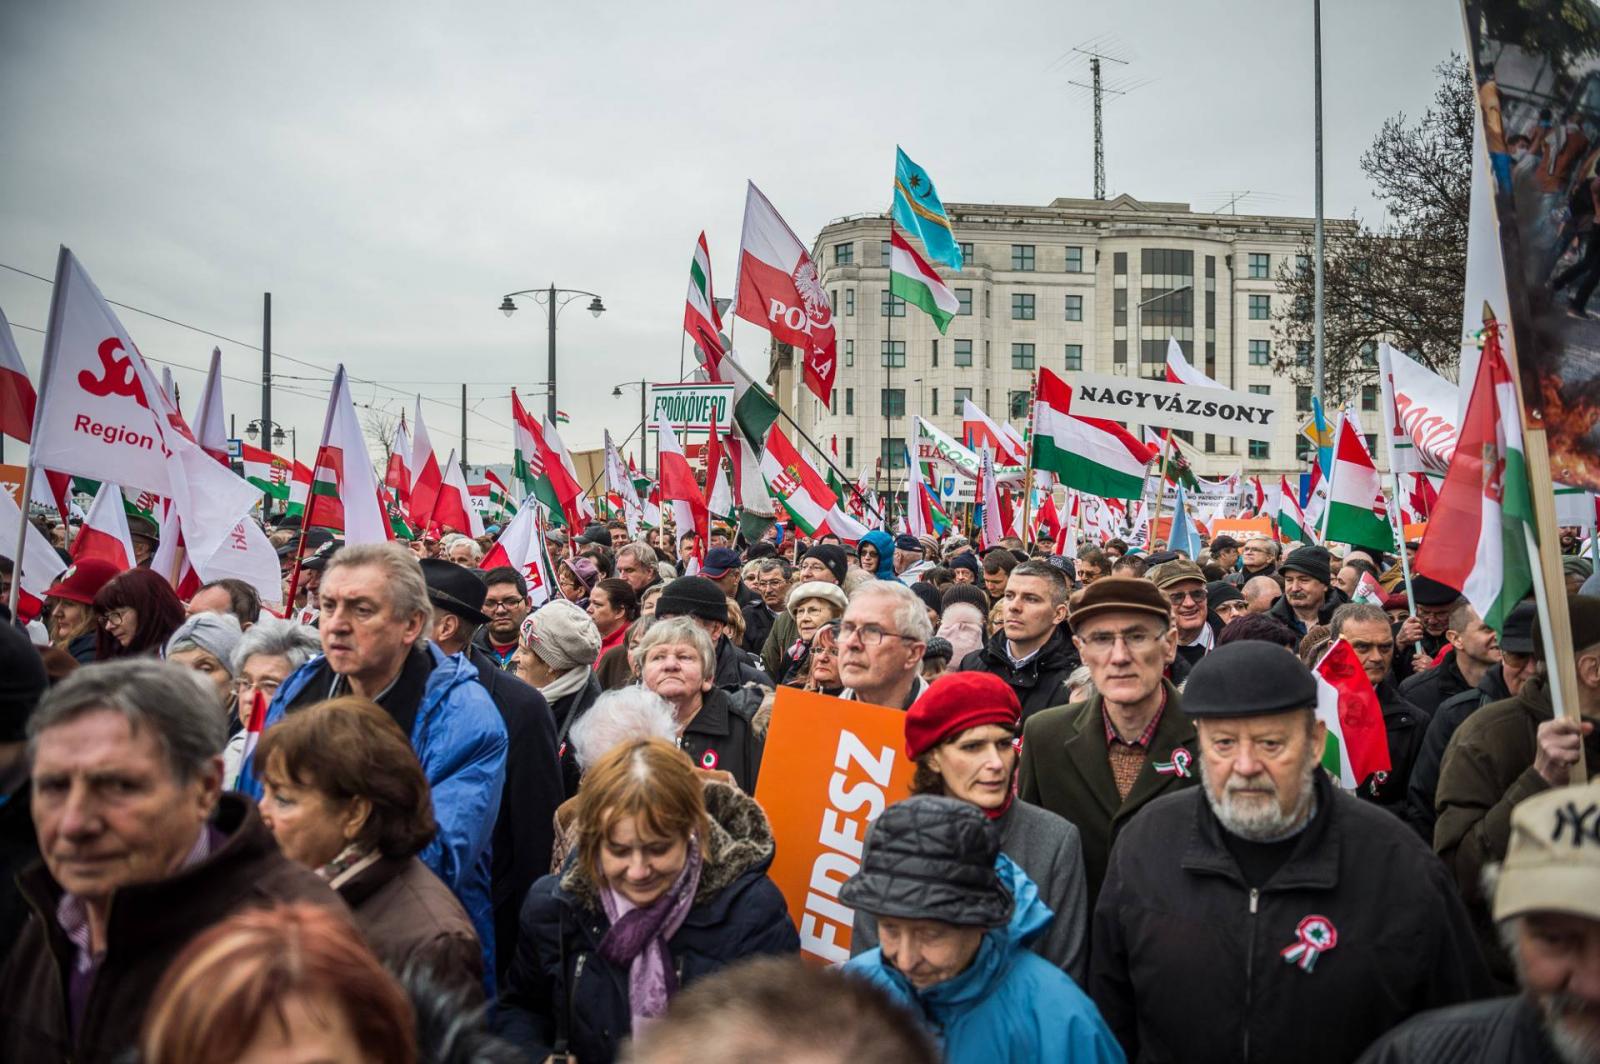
[{"x": 1136, "y": 400}]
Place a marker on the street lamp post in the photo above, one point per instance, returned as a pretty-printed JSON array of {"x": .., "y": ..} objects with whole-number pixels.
[
  {"x": 1138, "y": 333},
  {"x": 644, "y": 451},
  {"x": 552, "y": 299}
]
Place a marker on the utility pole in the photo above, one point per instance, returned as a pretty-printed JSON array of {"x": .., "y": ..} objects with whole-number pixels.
[
  {"x": 463, "y": 429},
  {"x": 1316, "y": 347},
  {"x": 1098, "y": 89},
  {"x": 266, "y": 380}
]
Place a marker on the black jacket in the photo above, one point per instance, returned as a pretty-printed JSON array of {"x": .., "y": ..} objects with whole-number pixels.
[
  {"x": 560, "y": 982},
  {"x": 757, "y": 625},
  {"x": 723, "y": 735},
  {"x": 480, "y": 641},
  {"x": 1497, "y": 1031},
  {"x": 1446, "y": 719},
  {"x": 19, "y": 848},
  {"x": 524, "y": 831},
  {"x": 736, "y": 667},
  {"x": 1430, "y": 689},
  {"x": 1405, "y": 725},
  {"x": 1282, "y": 611},
  {"x": 82, "y": 648},
  {"x": 565, "y": 711},
  {"x": 1187, "y": 962},
  {"x": 1041, "y": 682}
]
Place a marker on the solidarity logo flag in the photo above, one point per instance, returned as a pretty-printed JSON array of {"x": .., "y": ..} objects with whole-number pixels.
[
  {"x": 780, "y": 291},
  {"x": 1419, "y": 413},
  {"x": 522, "y": 547},
  {"x": 1357, "y": 745}
]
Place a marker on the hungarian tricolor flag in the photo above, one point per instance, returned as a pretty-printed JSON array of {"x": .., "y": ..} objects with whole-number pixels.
[
  {"x": 1357, "y": 743},
  {"x": 913, "y": 280},
  {"x": 1478, "y": 535},
  {"x": 700, "y": 317},
  {"x": 797, "y": 486},
  {"x": 104, "y": 534},
  {"x": 1290, "y": 520},
  {"x": 273, "y": 474},
  {"x": 562, "y": 475},
  {"x": 780, "y": 291},
  {"x": 527, "y": 468},
  {"x": 1091, "y": 454},
  {"x": 1355, "y": 494}
]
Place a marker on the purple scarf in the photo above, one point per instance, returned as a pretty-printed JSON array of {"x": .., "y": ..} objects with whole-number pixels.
[{"x": 639, "y": 937}]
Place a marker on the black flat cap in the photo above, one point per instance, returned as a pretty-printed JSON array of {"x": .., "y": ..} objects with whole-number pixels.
[
  {"x": 1518, "y": 634},
  {"x": 1429, "y": 592},
  {"x": 1220, "y": 591},
  {"x": 1249, "y": 678},
  {"x": 455, "y": 589}
]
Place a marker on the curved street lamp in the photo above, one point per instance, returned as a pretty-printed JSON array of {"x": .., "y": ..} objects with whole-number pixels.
[{"x": 552, "y": 299}]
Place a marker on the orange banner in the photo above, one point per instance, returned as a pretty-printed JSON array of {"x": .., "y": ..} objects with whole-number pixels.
[
  {"x": 838, "y": 765},
  {"x": 11, "y": 480}
]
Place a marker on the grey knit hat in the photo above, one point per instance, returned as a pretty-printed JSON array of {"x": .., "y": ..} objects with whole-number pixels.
[
  {"x": 562, "y": 635},
  {"x": 215, "y": 633}
]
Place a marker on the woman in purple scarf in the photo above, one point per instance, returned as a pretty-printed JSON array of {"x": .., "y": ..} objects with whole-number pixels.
[{"x": 667, "y": 882}]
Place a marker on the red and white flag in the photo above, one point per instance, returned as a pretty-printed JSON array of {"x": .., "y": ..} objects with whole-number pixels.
[
  {"x": 104, "y": 534},
  {"x": 344, "y": 490},
  {"x": 522, "y": 547},
  {"x": 979, "y": 430},
  {"x": 453, "y": 508},
  {"x": 40, "y": 562},
  {"x": 676, "y": 481},
  {"x": 780, "y": 291},
  {"x": 423, "y": 470},
  {"x": 210, "y": 425},
  {"x": 396, "y": 473},
  {"x": 17, "y": 398}
]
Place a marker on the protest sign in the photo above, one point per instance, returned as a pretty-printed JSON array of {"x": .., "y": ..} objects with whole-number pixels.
[
  {"x": 687, "y": 407},
  {"x": 11, "y": 480},
  {"x": 1136, "y": 400},
  {"x": 842, "y": 764}
]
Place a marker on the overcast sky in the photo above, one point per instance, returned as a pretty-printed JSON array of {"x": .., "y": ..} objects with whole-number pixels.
[{"x": 389, "y": 171}]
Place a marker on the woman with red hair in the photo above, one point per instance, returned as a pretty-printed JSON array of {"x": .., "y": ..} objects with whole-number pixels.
[{"x": 138, "y": 612}]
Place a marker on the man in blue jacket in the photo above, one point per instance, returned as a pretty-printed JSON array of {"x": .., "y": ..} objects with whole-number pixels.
[
  {"x": 374, "y": 620},
  {"x": 954, "y": 920}
]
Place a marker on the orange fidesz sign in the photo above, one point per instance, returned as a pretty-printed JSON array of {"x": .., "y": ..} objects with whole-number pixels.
[{"x": 829, "y": 768}]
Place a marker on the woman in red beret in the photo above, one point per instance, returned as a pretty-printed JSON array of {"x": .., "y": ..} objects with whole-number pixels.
[{"x": 962, "y": 734}]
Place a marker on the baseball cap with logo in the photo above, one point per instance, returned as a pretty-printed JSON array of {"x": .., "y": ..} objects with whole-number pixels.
[{"x": 1553, "y": 861}]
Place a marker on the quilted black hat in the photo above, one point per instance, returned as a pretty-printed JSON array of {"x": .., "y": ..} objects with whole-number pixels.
[{"x": 931, "y": 858}]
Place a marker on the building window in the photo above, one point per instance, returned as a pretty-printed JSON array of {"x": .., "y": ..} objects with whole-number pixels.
[
  {"x": 963, "y": 353},
  {"x": 849, "y": 402},
  {"x": 833, "y": 401},
  {"x": 1074, "y": 356},
  {"x": 1302, "y": 398},
  {"x": 892, "y": 452},
  {"x": 1119, "y": 306},
  {"x": 1074, "y": 260},
  {"x": 849, "y": 352},
  {"x": 1369, "y": 355},
  {"x": 1017, "y": 405},
  {"x": 893, "y": 402},
  {"x": 1260, "y": 449},
  {"x": 936, "y": 354},
  {"x": 891, "y": 305},
  {"x": 963, "y": 302},
  {"x": 987, "y": 302},
  {"x": 986, "y": 363},
  {"x": 892, "y": 354},
  {"x": 1021, "y": 306},
  {"x": 849, "y": 451},
  {"x": 885, "y": 253},
  {"x": 1369, "y": 397},
  {"x": 934, "y": 410},
  {"x": 1259, "y": 267},
  {"x": 959, "y": 401},
  {"x": 1021, "y": 356},
  {"x": 1302, "y": 353},
  {"x": 1119, "y": 263},
  {"x": 1260, "y": 352},
  {"x": 849, "y": 302},
  {"x": 1261, "y": 389},
  {"x": 1119, "y": 352},
  {"x": 966, "y": 253},
  {"x": 1022, "y": 257},
  {"x": 1372, "y": 441},
  {"x": 1302, "y": 264},
  {"x": 1074, "y": 308},
  {"x": 844, "y": 254},
  {"x": 1260, "y": 308}
]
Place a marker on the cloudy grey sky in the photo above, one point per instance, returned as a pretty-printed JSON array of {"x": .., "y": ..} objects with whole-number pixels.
[{"x": 388, "y": 170}]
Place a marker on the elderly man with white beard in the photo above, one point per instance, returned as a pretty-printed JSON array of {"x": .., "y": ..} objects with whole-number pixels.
[{"x": 1295, "y": 921}]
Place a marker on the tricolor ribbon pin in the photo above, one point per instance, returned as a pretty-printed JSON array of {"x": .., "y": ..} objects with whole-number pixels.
[{"x": 1314, "y": 935}]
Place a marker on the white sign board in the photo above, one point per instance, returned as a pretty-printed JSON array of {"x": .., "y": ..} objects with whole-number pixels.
[
  {"x": 687, "y": 407},
  {"x": 1136, "y": 400}
]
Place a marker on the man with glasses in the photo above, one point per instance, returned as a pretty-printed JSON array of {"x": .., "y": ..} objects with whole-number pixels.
[
  {"x": 881, "y": 639},
  {"x": 1258, "y": 557},
  {"x": 772, "y": 583},
  {"x": 1366, "y": 628},
  {"x": 1100, "y": 761},
  {"x": 1184, "y": 585},
  {"x": 506, "y": 604}
]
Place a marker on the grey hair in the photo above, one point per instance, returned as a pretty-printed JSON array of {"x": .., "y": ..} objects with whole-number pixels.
[
  {"x": 1271, "y": 544},
  {"x": 617, "y": 717},
  {"x": 449, "y": 542},
  {"x": 290, "y": 640},
  {"x": 408, "y": 591},
  {"x": 174, "y": 704},
  {"x": 641, "y": 552},
  {"x": 675, "y": 630},
  {"x": 910, "y": 614},
  {"x": 1356, "y": 612},
  {"x": 768, "y": 565}
]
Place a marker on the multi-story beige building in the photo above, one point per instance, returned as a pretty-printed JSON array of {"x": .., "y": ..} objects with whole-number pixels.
[{"x": 1078, "y": 285}]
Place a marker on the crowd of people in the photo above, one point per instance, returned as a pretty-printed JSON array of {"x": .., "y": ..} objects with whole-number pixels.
[{"x": 420, "y": 818}]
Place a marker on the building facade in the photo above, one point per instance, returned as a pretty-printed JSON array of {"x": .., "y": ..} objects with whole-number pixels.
[{"x": 1076, "y": 286}]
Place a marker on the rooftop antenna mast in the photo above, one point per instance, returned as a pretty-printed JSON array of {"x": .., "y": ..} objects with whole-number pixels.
[{"x": 1098, "y": 90}]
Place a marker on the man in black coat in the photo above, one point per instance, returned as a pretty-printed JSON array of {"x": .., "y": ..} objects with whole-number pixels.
[
  {"x": 1309, "y": 597},
  {"x": 1366, "y": 628},
  {"x": 1300, "y": 924},
  {"x": 1475, "y": 652},
  {"x": 524, "y": 830},
  {"x": 1032, "y": 652}
]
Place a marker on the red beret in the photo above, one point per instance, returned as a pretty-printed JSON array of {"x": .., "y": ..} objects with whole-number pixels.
[{"x": 955, "y": 702}]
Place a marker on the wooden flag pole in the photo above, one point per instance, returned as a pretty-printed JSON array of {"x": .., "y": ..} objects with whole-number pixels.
[
  {"x": 1549, "y": 584},
  {"x": 1161, "y": 491}
]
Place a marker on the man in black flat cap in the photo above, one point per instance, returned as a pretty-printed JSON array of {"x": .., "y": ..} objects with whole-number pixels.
[
  {"x": 1300, "y": 922},
  {"x": 524, "y": 828},
  {"x": 1420, "y": 638},
  {"x": 1309, "y": 597}
]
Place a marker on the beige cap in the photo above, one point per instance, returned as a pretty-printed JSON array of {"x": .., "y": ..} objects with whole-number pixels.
[{"x": 1553, "y": 861}]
